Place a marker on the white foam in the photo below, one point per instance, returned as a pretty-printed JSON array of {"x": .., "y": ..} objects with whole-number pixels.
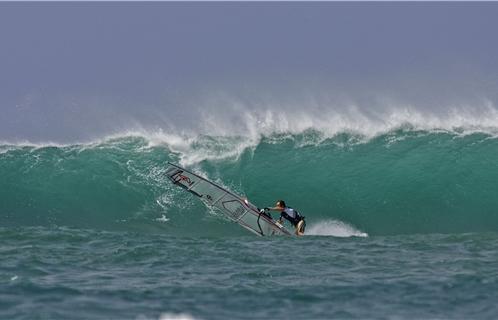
[
  {"x": 10, "y": 145},
  {"x": 226, "y": 132},
  {"x": 334, "y": 228},
  {"x": 176, "y": 316},
  {"x": 162, "y": 219},
  {"x": 170, "y": 316},
  {"x": 223, "y": 115},
  {"x": 6, "y": 149}
]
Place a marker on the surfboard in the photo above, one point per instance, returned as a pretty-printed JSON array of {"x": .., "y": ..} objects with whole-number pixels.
[{"x": 233, "y": 206}]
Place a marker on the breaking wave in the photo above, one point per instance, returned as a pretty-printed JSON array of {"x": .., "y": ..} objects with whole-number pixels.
[{"x": 401, "y": 181}]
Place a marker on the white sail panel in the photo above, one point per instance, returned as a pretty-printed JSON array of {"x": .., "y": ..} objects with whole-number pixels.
[{"x": 231, "y": 205}]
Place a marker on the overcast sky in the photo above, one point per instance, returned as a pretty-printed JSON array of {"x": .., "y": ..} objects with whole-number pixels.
[{"x": 63, "y": 65}]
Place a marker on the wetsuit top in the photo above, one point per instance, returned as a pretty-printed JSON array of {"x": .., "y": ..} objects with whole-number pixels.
[{"x": 291, "y": 215}]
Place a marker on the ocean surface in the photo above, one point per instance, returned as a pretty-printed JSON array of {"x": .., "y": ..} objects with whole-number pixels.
[{"x": 401, "y": 225}]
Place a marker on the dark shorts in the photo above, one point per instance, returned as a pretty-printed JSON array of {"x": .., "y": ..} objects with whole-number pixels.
[{"x": 295, "y": 221}]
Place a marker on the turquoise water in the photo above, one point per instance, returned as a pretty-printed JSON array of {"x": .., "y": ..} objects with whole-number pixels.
[
  {"x": 62, "y": 273},
  {"x": 402, "y": 225}
]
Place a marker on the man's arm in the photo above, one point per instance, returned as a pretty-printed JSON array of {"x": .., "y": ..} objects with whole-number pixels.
[
  {"x": 280, "y": 219},
  {"x": 273, "y": 208}
]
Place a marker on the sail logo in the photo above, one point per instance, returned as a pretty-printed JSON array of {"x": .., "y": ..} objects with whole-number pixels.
[
  {"x": 178, "y": 177},
  {"x": 185, "y": 179}
]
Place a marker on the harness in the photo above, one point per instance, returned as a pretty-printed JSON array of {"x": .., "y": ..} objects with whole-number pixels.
[{"x": 293, "y": 220}]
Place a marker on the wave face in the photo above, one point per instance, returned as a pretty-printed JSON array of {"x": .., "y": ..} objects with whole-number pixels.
[{"x": 404, "y": 181}]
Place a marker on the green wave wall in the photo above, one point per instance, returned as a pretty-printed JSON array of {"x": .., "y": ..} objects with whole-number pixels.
[{"x": 402, "y": 182}]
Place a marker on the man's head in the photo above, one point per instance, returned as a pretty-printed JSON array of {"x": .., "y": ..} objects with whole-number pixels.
[{"x": 280, "y": 204}]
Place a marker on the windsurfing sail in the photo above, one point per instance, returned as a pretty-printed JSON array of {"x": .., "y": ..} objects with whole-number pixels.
[{"x": 234, "y": 207}]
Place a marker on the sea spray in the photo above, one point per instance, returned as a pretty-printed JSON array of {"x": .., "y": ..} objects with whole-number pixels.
[{"x": 333, "y": 228}]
